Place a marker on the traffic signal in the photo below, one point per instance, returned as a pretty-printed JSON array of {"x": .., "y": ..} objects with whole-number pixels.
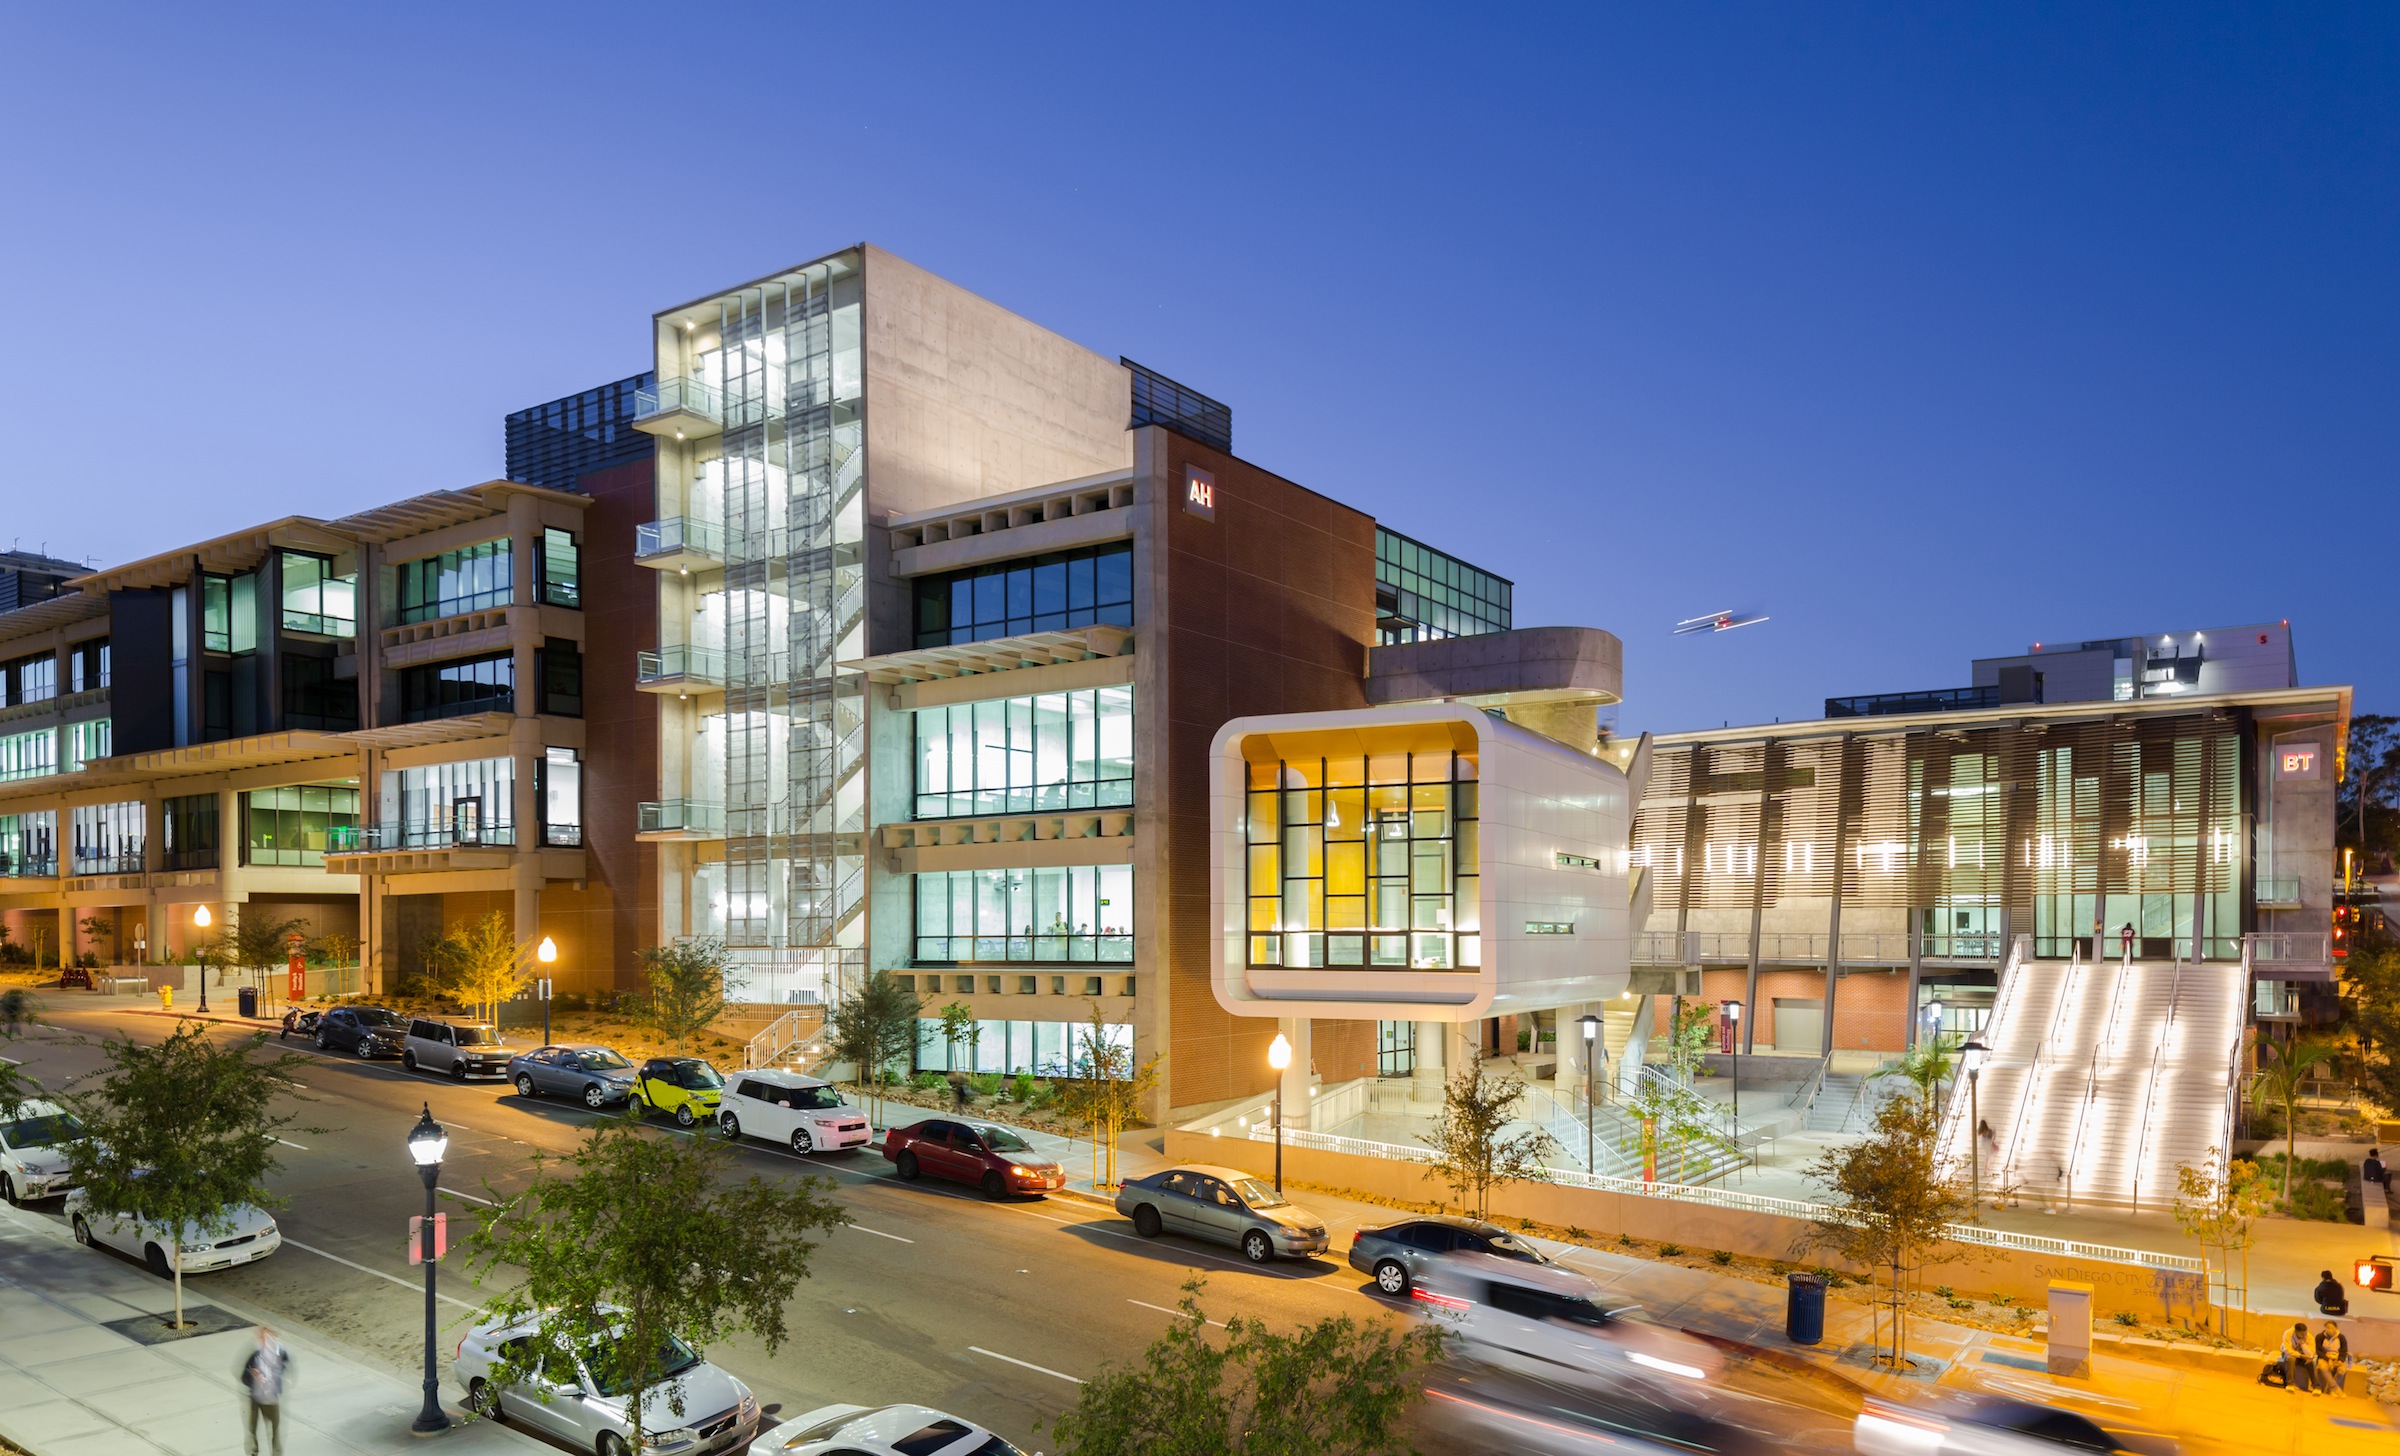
[
  {"x": 2341, "y": 930},
  {"x": 2374, "y": 1272}
]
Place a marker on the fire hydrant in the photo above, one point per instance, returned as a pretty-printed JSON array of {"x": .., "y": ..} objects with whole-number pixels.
[{"x": 166, "y": 998}]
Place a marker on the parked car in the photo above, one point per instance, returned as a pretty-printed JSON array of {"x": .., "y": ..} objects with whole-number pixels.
[
  {"x": 462, "y": 1049},
  {"x": 370, "y": 1031},
  {"x": 686, "y": 1087},
  {"x": 1985, "y": 1426},
  {"x": 785, "y": 1107},
  {"x": 297, "y": 1022},
  {"x": 992, "y": 1158},
  {"x": 884, "y": 1430},
  {"x": 33, "y": 1157},
  {"x": 593, "y": 1074},
  {"x": 1550, "y": 1323},
  {"x": 1224, "y": 1206},
  {"x": 579, "y": 1405},
  {"x": 251, "y": 1235},
  {"x": 1396, "y": 1253}
]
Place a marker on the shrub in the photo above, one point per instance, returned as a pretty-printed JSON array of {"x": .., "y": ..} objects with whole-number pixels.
[
  {"x": 2127, "y": 1318},
  {"x": 1524, "y": 1040},
  {"x": 2004, "y": 1300},
  {"x": 1962, "y": 1304},
  {"x": 1720, "y": 1257},
  {"x": 1021, "y": 1091},
  {"x": 1669, "y": 1251},
  {"x": 2313, "y": 1200},
  {"x": 1625, "y": 1239},
  {"x": 926, "y": 1081},
  {"x": 1577, "y": 1236},
  {"x": 1945, "y": 1291}
]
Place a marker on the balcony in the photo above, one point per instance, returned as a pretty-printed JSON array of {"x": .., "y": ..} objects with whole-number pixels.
[
  {"x": 28, "y": 868},
  {"x": 680, "y": 669},
  {"x": 673, "y": 819},
  {"x": 2278, "y": 892},
  {"x": 679, "y": 543},
  {"x": 679, "y": 409},
  {"x": 418, "y": 847}
]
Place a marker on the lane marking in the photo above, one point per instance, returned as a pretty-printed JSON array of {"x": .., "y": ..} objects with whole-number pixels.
[
  {"x": 1179, "y": 1314},
  {"x": 1028, "y": 1364},
  {"x": 378, "y": 1273},
  {"x": 471, "y": 1198},
  {"x": 879, "y": 1233},
  {"x": 287, "y": 1142}
]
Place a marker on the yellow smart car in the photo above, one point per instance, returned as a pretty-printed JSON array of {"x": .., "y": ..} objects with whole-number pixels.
[{"x": 685, "y": 1086}]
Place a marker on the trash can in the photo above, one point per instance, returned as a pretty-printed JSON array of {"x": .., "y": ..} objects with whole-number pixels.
[
  {"x": 1804, "y": 1310},
  {"x": 249, "y": 1000}
]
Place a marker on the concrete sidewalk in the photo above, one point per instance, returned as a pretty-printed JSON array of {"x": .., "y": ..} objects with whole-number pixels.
[{"x": 74, "y": 1380}]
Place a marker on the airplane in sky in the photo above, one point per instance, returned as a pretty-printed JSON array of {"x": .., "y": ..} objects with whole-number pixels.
[{"x": 1718, "y": 622}]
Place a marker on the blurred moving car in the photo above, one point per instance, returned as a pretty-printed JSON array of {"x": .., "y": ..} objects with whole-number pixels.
[
  {"x": 1984, "y": 1426},
  {"x": 1548, "y": 1322},
  {"x": 584, "y": 1409},
  {"x": 1396, "y": 1253},
  {"x": 33, "y": 1153},
  {"x": 588, "y": 1072},
  {"x": 992, "y": 1158},
  {"x": 251, "y": 1235},
  {"x": 369, "y": 1031},
  {"x": 1473, "y": 1408},
  {"x": 461, "y": 1049},
  {"x": 687, "y": 1087},
  {"x": 886, "y": 1430},
  {"x": 806, "y": 1113},
  {"x": 1224, "y": 1206}
]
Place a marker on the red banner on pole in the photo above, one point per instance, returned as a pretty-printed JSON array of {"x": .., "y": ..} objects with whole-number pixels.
[
  {"x": 298, "y": 970},
  {"x": 416, "y": 1237}
]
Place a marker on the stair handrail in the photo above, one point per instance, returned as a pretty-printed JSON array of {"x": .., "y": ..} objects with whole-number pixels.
[
  {"x": 2011, "y": 969},
  {"x": 2033, "y": 1069},
  {"x": 1805, "y": 1096},
  {"x": 2091, "y": 1077},
  {"x": 2158, "y": 1053}
]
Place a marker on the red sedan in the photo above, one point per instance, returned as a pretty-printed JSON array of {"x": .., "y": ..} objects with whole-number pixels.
[{"x": 992, "y": 1158}]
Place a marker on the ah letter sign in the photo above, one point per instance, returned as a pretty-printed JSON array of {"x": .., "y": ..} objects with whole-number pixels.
[{"x": 1199, "y": 492}]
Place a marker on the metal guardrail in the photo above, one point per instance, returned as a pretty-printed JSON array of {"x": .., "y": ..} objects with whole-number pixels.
[
  {"x": 674, "y": 394},
  {"x": 679, "y": 533},
  {"x": 2278, "y": 890},
  {"x": 698, "y": 816},
  {"x": 379, "y": 838},
  {"x": 701, "y": 664},
  {"x": 2286, "y": 947},
  {"x": 1783, "y": 947}
]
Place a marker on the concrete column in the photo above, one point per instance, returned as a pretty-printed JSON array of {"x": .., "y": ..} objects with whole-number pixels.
[
  {"x": 1433, "y": 1041},
  {"x": 1296, "y": 1076},
  {"x": 527, "y": 911}
]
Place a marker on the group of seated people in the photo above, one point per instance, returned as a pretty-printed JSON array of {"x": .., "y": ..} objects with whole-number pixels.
[{"x": 2320, "y": 1362}]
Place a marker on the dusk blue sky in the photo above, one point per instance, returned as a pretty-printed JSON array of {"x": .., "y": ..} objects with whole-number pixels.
[{"x": 1930, "y": 330}]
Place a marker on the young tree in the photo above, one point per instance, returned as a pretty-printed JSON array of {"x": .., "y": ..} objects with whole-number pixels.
[
  {"x": 181, "y": 1133},
  {"x": 1925, "y": 1067},
  {"x": 2216, "y": 1202},
  {"x": 257, "y": 944},
  {"x": 636, "y": 1240},
  {"x": 959, "y": 1028},
  {"x": 20, "y": 1012},
  {"x": 2283, "y": 1069},
  {"x": 873, "y": 1027},
  {"x": 1106, "y": 1092},
  {"x": 1889, "y": 1199},
  {"x": 481, "y": 963},
  {"x": 1473, "y": 1151},
  {"x": 97, "y": 926},
  {"x": 1338, "y": 1387},
  {"x": 687, "y": 986}
]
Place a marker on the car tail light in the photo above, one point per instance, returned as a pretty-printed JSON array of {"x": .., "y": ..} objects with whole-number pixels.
[{"x": 1446, "y": 1301}]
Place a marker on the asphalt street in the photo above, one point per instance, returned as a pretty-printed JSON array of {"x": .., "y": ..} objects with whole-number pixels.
[{"x": 993, "y": 1311}]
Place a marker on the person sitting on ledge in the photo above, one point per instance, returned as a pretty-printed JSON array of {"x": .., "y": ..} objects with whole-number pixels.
[{"x": 2330, "y": 1297}]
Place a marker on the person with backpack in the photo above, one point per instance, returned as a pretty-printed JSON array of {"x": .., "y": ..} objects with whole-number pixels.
[
  {"x": 264, "y": 1375},
  {"x": 2329, "y": 1295}
]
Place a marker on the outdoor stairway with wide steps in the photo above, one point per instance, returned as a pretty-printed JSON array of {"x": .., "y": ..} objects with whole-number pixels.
[{"x": 2102, "y": 1079}]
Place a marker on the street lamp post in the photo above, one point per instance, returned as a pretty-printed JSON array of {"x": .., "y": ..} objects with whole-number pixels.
[
  {"x": 1733, "y": 1013},
  {"x": 426, "y": 1145},
  {"x": 1279, "y": 1056},
  {"x": 546, "y": 952},
  {"x": 1591, "y": 1044},
  {"x": 1970, "y": 1057},
  {"x": 200, "y": 921}
]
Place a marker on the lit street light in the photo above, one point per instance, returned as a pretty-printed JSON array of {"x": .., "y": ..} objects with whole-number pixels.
[
  {"x": 1733, "y": 1013},
  {"x": 546, "y": 952},
  {"x": 1279, "y": 1056},
  {"x": 426, "y": 1145},
  {"x": 1591, "y": 1044},
  {"x": 200, "y": 919},
  {"x": 1970, "y": 1057}
]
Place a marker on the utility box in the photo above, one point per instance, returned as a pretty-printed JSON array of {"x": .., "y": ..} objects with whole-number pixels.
[{"x": 2070, "y": 1328}]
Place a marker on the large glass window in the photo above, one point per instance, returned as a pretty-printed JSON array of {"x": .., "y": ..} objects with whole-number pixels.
[
  {"x": 562, "y": 568},
  {"x": 316, "y": 600},
  {"x": 29, "y": 844},
  {"x": 448, "y": 689},
  {"x": 187, "y": 828},
  {"x": 292, "y": 825},
  {"x": 86, "y": 741},
  {"x": 1421, "y": 593},
  {"x": 314, "y": 698},
  {"x": 28, "y": 755},
  {"x": 1031, "y": 594},
  {"x": 1364, "y": 862},
  {"x": 229, "y": 613},
  {"x": 1044, "y": 1048},
  {"x": 1071, "y": 913},
  {"x": 466, "y": 580},
  {"x": 108, "y": 838},
  {"x": 2121, "y": 839},
  {"x": 562, "y": 677},
  {"x": 1026, "y": 755},
  {"x": 562, "y": 797},
  {"x": 87, "y": 666},
  {"x": 29, "y": 679},
  {"x": 471, "y": 802}
]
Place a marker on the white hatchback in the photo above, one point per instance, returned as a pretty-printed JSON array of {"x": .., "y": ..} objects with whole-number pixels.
[
  {"x": 33, "y": 1156},
  {"x": 251, "y": 1236},
  {"x": 807, "y": 1113}
]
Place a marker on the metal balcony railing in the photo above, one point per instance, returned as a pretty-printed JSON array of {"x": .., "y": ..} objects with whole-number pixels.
[
  {"x": 442, "y": 834},
  {"x": 2287, "y": 947},
  {"x": 29, "y": 869},
  {"x": 2279, "y": 892},
  {"x": 691, "y": 816},
  {"x": 677, "y": 394},
  {"x": 679, "y": 534},
  {"x": 701, "y": 664},
  {"x": 129, "y": 863}
]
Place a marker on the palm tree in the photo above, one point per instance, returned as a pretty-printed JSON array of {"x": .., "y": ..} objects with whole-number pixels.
[{"x": 2283, "y": 1067}]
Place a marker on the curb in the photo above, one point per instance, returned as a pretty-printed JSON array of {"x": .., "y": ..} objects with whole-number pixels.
[{"x": 1786, "y": 1360}]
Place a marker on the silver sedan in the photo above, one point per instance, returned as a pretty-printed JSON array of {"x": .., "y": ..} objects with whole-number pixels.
[{"x": 1224, "y": 1206}]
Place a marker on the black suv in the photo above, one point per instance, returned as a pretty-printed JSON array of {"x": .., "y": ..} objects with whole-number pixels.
[{"x": 369, "y": 1031}]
